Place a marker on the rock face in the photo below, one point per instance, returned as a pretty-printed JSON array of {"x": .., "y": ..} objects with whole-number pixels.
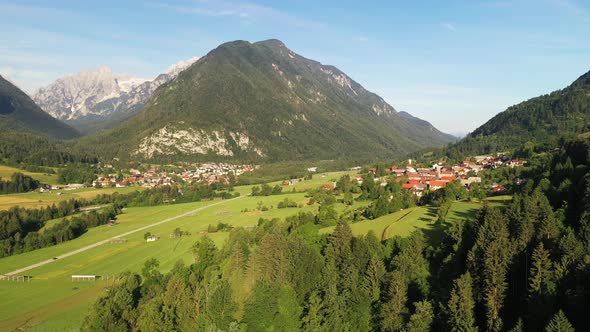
[
  {"x": 261, "y": 100},
  {"x": 95, "y": 99},
  {"x": 19, "y": 113}
]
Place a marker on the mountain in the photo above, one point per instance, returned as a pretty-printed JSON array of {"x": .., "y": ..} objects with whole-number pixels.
[
  {"x": 18, "y": 113},
  {"x": 262, "y": 100},
  {"x": 96, "y": 99},
  {"x": 541, "y": 120},
  {"x": 426, "y": 126}
]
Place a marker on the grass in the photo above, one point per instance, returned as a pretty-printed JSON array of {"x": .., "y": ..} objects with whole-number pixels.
[
  {"x": 35, "y": 200},
  {"x": 52, "y": 302},
  {"x": 46, "y": 298},
  {"x": 7, "y": 171}
]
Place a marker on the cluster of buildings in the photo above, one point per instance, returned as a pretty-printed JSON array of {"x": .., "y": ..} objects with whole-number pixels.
[
  {"x": 208, "y": 173},
  {"x": 417, "y": 179}
]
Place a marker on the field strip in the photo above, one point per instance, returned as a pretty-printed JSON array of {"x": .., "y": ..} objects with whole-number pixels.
[
  {"x": 385, "y": 233},
  {"x": 99, "y": 243}
]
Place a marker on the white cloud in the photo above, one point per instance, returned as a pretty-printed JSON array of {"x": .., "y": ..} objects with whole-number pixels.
[{"x": 449, "y": 26}]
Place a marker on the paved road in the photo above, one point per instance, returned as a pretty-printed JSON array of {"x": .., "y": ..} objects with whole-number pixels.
[{"x": 99, "y": 243}]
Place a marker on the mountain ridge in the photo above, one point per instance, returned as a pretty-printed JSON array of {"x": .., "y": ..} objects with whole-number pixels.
[
  {"x": 541, "y": 120},
  {"x": 18, "y": 112},
  {"x": 92, "y": 100},
  {"x": 262, "y": 100}
]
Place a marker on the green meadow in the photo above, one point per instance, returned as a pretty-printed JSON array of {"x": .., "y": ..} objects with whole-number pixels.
[
  {"x": 7, "y": 171},
  {"x": 51, "y": 301},
  {"x": 51, "y": 285},
  {"x": 34, "y": 200}
]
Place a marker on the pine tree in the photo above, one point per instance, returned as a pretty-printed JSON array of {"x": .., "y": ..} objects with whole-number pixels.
[
  {"x": 374, "y": 276},
  {"x": 461, "y": 304},
  {"x": 421, "y": 319},
  {"x": 489, "y": 260},
  {"x": 540, "y": 274},
  {"x": 519, "y": 327},
  {"x": 559, "y": 323},
  {"x": 313, "y": 319},
  {"x": 394, "y": 310}
]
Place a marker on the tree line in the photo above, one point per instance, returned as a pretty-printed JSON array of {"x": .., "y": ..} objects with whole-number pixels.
[
  {"x": 523, "y": 267},
  {"x": 18, "y": 183}
]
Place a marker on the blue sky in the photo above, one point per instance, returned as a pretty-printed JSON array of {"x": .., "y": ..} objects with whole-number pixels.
[{"x": 453, "y": 63}]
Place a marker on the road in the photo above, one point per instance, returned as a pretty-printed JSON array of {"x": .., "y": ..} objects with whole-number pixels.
[{"x": 99, "y": 243}]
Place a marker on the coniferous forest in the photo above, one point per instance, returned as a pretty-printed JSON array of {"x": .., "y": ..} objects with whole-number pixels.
[
  {"x": 524, "y": 267},
  {"x": 387, "y": 166}
]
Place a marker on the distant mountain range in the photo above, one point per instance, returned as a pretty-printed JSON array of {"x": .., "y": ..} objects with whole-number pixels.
[
  {"x": 18, "y": 113},
  {"x": 96, "y": 99},
  {"x": 541, "y": 120},
  {"x": 262, "y": 100}
]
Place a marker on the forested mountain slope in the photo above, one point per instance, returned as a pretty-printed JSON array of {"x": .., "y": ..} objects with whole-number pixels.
[
  {"x": 263, "y": 101},
  {"x": 18, "y": 113},
  {"x": 541, "y": 120}
]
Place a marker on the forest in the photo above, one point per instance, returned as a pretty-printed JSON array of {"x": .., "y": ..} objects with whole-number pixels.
[
  {"x": 18, "y": 183},
  {"x": 524, "y": 267},
  {"x": 22, "y": 230}
]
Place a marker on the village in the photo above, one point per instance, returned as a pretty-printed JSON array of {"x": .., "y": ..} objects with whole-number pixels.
[
  {"x": 153, "y": 176},
  {"x": 206, "y": 173},
  {"x": 418, "y": 178}
]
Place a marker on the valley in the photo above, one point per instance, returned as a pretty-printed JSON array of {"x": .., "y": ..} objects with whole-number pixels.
[
  {"x": 306, "y": 183},
  {"x": 69, "y": 300}
]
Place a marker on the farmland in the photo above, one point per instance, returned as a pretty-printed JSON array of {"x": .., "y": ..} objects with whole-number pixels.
[
  {"x": 34, "y": 200},
  {"x": 51, "y": 284},
  {"x": 7, "y": 171},
  {"x": 52, "y": 301}
]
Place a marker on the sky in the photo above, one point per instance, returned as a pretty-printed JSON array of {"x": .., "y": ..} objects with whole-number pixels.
[{"x": 453, "y": 63}]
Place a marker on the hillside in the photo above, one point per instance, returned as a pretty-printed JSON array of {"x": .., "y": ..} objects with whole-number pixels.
[
  {"x": 262, "y": 100},
  {"x": 541, "y": 120},
  {"x": 19, "y": 113},
  {"x": 92, "y": 100}
]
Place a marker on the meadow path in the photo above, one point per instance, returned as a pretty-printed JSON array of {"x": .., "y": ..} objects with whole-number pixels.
[{"x": 99, "y": 243}]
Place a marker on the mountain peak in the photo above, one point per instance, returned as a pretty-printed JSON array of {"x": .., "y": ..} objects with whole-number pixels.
[
  {"x": 261, "y": 100},
  {"x": 583, "y": 81},
  {"x": 271, "y": 42},
  {"x": 181, "y": 65}
]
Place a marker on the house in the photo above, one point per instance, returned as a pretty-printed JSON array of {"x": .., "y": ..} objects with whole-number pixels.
[
  {"x": 498, "y": 188},
  {"x": 328, "y": 186},
  {"x": 436, "y": 184},
  {"x": 473, "y": 179},
  {"x": 152, "y": 238},
  {"x": 359, "y": 179}
]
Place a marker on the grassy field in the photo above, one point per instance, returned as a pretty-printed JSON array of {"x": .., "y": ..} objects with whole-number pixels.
[
  {"x": 7, "y": 171},
  {"x": 34, "y": 200},
  {"x": 51, "y": 301},
  {"x": 404, "y": 222},
  {"x": 35, "y": 302}
]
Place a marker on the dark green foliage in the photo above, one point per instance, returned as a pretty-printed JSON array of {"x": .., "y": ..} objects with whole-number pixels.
[
  {"x": 18, "y": 112},
  {"x": 510, "y": 267},
  {"x": 24, "y": 149},
  {"x": 541, "y": 120},
  {"x": 77, "y": 174},
  {"x": 292, "y": 108},
  {"x": 266, "y": 190},
  {"x": 460, "y": 308},
  {"x": 19, "y": 183},
  {"x": 559, "y": 323}
]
